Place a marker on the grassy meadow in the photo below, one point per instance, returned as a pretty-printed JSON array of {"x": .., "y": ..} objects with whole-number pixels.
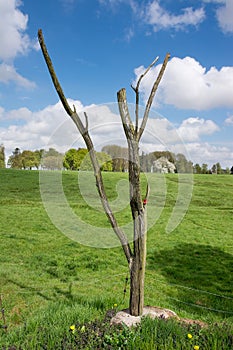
[{"x": 49, "y": 282}]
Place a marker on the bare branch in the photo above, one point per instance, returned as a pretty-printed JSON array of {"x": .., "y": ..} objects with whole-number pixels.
[
  {"x": 73, "y": 114},
  {"x": 152, "y": 94},
  {"x": 146, "y": 71},
  {"x": 90, "y": 147},
  {"x": 125, "y": 115},
  {"x": 52, "y": 73},
  {"x": 136, "y": 90},
  {"x": 86, "y": 118}
]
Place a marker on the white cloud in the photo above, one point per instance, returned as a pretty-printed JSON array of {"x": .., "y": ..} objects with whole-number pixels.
[
  {"x": 15, "y": 114},
  {"x": 192, "y": 128},
  {"x": 13, "y": 41},
  {"x": 188, "y": 85},
  {"x": 155, "y": 15},
  {"x": 161, "y": 135},
  {"x": 225, "y": 15},
  {"x": 229, "y": 120},
  {"x": 13, "y": 24},
  {"x": 160, "y": 18},
  {"x": 51, "y": 127},
  {"x": 33, "y": 130},
  {"x": 210, "y": 154},
  {"x": 8, "y": 74},
  {"x": 129, "y": 34},
  {"x": 152, "y": 13}
]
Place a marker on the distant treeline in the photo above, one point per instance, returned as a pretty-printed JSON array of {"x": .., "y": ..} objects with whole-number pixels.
[{"x": 111, "y": 158}]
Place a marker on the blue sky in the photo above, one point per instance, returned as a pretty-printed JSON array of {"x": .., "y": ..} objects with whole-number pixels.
[{"x": 100, "y": 46}]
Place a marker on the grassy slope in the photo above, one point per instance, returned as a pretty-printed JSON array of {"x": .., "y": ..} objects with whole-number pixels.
[{"x": 189, "y": 270}]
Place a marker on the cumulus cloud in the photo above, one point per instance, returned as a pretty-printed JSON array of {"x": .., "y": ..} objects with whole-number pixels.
[
  {"x": 188, "y": 85},
  {"x": 33, "y": 130},
  {"x": 192, "y": 128},
  {"x": 51, "y": 127},
  {"x": 160, "y": 134},
  {"x": 15, "y": 114},
  {"x": 160, "y": 18},
  {"x": 13, "y": 41}
]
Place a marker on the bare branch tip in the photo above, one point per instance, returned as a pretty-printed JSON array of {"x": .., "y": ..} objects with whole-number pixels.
[
  {"x": 40, "y": 34},
  {"x": 134, "y": 88},
  {"x": 155, "y": 60}
]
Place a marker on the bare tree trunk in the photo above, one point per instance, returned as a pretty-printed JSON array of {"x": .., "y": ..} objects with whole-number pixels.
[
  {"x": 137, "y": 276},
  {"x": 138, "y": 261}
]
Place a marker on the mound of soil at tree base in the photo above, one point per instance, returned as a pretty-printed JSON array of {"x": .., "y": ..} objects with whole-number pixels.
[{"x": 150, "y": 311}]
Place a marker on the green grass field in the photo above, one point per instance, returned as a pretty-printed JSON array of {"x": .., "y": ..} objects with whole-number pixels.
[{"x": 48, "y": 281}]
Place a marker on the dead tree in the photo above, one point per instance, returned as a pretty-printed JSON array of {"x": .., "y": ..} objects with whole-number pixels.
[{"x": 136, "y": 255}]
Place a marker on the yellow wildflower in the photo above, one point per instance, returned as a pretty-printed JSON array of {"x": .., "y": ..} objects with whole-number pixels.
[
  {"x": 115, "y": 305},
  {"x": 190, "y": 336},
  {"x": 196, "y": 347},
  {"x": 72, "y": 328}
]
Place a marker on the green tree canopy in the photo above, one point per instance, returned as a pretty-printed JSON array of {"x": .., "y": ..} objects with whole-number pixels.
[
  {"x": 29, "y": 160},
  {"x": 74, "y": 157},
  {"x": 197, "y": 168},
  {"x": 79, "y": 159},
  {"x": 15, "y": 160}
]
